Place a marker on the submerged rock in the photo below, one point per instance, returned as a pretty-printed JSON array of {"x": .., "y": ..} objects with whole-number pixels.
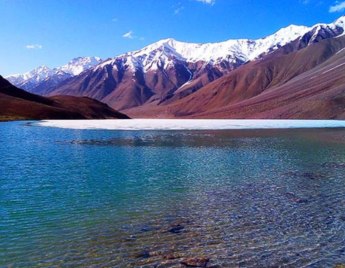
[
  {"x": 195, "y": 262},
  {"x": 131, "y": 238},
  {"x": 143, "y": 254},
  {"x": 301, "y": 200},
  {"x": 306, "y": 175},
  {"x": 175, "y": 229},
  {"x": 147, "y": 229},
  {"x": 296, "y": 199},
  {"x": 313, "y": 175},
  {"x": 171, "y": 256},
  {"x": 156, "y": 253},
  {"x": 333, "y": 165},
  {"x": 169, "y": 264}
]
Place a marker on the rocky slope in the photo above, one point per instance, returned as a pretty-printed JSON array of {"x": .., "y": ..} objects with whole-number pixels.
[{"x": 16, "y": 103}]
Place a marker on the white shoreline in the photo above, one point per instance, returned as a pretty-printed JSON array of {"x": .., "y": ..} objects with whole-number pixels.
[{"x": 190, "y": 124}]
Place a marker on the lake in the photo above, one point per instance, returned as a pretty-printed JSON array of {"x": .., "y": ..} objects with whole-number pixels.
[{"x": 161, "y": 198}]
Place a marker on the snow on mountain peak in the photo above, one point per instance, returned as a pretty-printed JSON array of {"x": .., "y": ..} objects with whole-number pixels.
[
  {"x": 340, "y": 23},
  {"x": 233, "y": 50},
  {"x": 292, "y": 30},
  {"x": 41, "y": 73},
  {"x": 80, "y": 64},
  {"x": 161, "y": 52},
  {"x": 286, "y": 35},
  {"x": 167, "y": 51},
  {"x": 38, "y": 74},
  {"x": 340, "y": 20}
]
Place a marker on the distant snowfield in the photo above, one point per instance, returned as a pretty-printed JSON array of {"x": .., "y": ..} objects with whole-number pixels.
[{"x": 190, "y": 124}]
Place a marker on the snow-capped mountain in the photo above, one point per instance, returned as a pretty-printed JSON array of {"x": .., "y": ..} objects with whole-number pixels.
[
  {"x": 162, "y": 52},
  {"x": 31, "y": 78},
  {"x": 79, "y": 65},
  {"x": 165, "y": 52},
  {"x": 47, "y": 78},
  {"x": 243, "y": 49},
  {"x": 169, "y": 70}
]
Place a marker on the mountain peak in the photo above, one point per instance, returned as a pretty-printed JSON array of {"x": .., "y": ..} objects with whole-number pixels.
[
  {"x": 41, "y": 68},
  {"x": 287, "y": 34},
  {"x": 80, "y": 64},
  {"x": 167, "y": 41},
  {"x": 340, "y": 19},
  {"x": 340, "y": 22},
  {"x": 84, "y": 59},
  {"x": 293, "y": 29}
]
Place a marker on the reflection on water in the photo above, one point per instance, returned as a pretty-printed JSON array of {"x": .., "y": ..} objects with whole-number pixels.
[{"x": 171, "y": 198}]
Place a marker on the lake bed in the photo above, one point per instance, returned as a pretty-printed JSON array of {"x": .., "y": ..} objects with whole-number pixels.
[{"x": 160, "y": 198}]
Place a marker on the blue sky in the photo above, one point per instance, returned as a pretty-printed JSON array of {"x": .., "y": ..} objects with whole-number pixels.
[{"x": 51, "y": 32}]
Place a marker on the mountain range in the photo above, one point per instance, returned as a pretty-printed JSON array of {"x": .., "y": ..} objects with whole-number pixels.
[
  {"x": 43, "y": 79},
  {"x": 293, "y": 73}
]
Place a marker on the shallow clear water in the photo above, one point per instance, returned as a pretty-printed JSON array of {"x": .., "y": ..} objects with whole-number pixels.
[{"x": 93, "y": 198}]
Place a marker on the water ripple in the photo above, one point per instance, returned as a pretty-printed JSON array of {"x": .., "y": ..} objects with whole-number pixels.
[{"x": 85, "y": 198}]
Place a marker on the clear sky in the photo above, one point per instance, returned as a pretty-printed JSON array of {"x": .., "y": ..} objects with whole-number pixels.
[{"x": 52, "y": 32}]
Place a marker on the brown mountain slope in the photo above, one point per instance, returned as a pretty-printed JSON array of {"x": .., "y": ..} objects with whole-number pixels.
[
  {"x": 123, "y": 86},
  {"x": 19, "y": 104},
  {"x": 302, "y": 84},
  {"x": 316, "y": 94}
]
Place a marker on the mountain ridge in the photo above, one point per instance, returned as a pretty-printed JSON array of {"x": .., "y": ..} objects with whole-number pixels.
[
  {"x": 167, "y": 71},
  {"x": 307, "y": 83}
]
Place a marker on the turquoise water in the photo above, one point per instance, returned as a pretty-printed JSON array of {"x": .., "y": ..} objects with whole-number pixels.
[{"x": 93, "y": 198}]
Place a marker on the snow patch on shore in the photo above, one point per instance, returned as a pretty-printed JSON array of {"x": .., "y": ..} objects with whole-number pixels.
[{"x": 190, "y": 124}]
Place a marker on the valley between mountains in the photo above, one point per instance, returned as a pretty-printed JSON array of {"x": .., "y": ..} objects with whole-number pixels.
[{"x": 297, "y": 72}]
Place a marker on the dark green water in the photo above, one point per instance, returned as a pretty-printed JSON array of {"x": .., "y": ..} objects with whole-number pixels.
[{"x": 93, "y": 198}]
